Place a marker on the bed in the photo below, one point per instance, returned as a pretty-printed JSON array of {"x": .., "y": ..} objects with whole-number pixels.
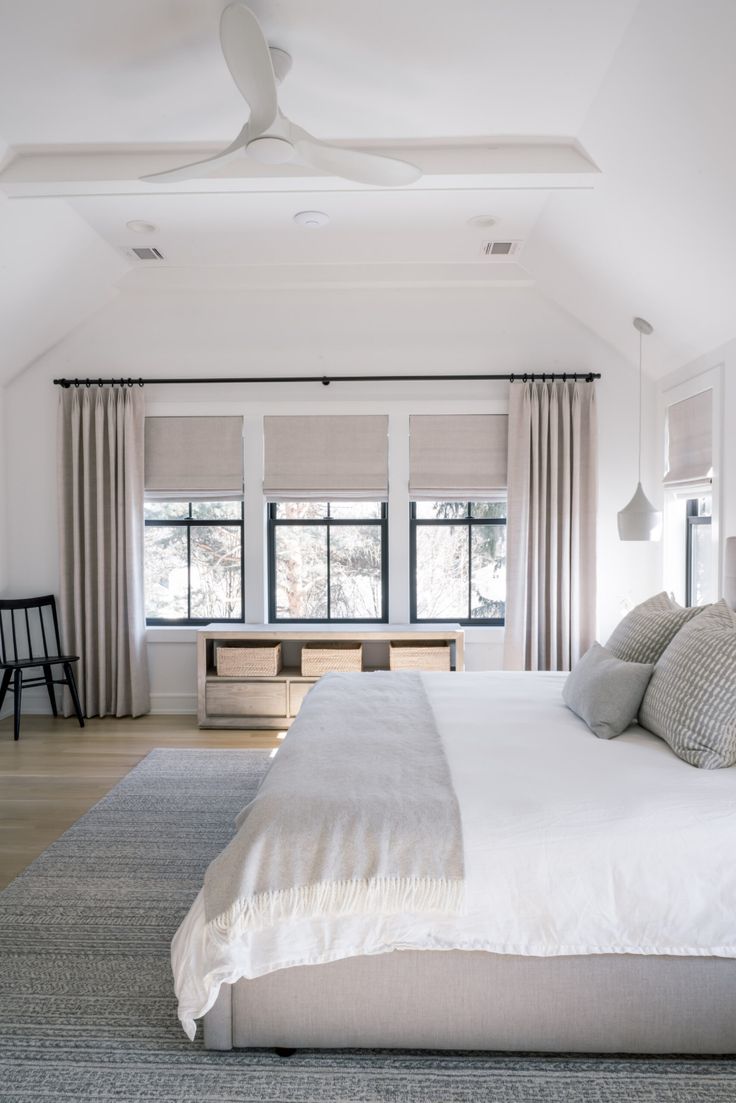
[{"x": 598, "y": 907}]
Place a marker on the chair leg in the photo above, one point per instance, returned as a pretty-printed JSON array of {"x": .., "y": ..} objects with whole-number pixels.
[
  {"x": 71, "y": 682},
  {"x": 50, "y": 688},
  {"x": 7, "y": 675},
  {"x": 17, "y": 693}
]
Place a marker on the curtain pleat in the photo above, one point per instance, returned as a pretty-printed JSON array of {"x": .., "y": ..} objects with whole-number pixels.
[
  {"x": 100, "y": 448},
  {"x": 551, "y": 529}
]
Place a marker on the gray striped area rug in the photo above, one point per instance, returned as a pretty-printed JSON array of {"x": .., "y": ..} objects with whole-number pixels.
[{"x": 86, "y": 1005}]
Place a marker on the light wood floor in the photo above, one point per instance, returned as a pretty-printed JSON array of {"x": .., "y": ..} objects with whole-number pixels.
[{"x": 57, "y": 771}]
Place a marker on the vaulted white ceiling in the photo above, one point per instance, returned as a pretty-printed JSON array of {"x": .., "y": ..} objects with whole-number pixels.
[
  {"x": 151, "y": 71},
  {"x": 647, "y": 88}
]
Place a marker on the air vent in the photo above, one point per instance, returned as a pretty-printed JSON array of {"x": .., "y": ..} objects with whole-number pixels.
[
  {"x": 144, "y": 253},
  {"x": 499, "y": 249}
]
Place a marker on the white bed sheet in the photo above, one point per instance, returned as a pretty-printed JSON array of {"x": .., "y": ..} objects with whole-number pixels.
[{"x": 573, "y": 845}]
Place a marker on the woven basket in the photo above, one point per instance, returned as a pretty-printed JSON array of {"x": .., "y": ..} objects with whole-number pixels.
[
  {"x": 320, "y": 658},
  {"x": 257, "y": 660},
  {"x": 428, "y": 655}
]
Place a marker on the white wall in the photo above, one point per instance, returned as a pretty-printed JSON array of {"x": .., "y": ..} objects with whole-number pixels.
[
  {"x": 350, "y": 331},
  {"x": 3, "y": 497}
]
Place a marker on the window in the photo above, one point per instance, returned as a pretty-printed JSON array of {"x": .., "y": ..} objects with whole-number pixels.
[
  {"x": 698, "y": 552},
  {"x": 193, "y": 562},
  {"x": 327, "y": 561},
  {"x": 458, "y": 562}
]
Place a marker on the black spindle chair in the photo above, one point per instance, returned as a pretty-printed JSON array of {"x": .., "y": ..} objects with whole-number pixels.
[{"x": 29, "y": 638}]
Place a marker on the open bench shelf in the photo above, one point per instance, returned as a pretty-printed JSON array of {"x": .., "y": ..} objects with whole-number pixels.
[{"x": 272, "y": 701}]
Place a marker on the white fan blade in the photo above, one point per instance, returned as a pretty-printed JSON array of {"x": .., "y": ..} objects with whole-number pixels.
[
  {"x": 249, "y": 61},
  {"x": 203, "y": 168},
  {"x": 353, "y": 164}
]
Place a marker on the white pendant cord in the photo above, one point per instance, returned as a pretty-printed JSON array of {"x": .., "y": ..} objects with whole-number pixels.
[
  {"x": 639, "y": 520},
  {"x": 640, "y": 397}
]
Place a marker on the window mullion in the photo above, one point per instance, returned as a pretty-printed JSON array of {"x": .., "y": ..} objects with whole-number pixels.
[
  {"x": 189, "y": 567},
  {"x": 470, "y": 564},
  {"x": 329, "y": 579}
]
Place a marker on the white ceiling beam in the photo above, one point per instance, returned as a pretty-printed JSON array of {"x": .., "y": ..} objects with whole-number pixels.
[
  {"x": 150, "y": 276},
  {"x": 453, "y": 163}
]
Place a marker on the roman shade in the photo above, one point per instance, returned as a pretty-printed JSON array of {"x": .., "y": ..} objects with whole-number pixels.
[
  {"x": 690, "y": 440},
  {"x": 194, "y": 457},
  {"x": 458, "y": 456},
  {"x": 323, "y": 457}
]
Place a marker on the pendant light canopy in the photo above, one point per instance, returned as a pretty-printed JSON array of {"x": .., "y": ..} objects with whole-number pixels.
[{"x": 639, "y": 520}]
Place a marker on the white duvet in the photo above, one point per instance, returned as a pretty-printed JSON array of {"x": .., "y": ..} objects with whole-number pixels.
[{"x": 573, "y": 845}]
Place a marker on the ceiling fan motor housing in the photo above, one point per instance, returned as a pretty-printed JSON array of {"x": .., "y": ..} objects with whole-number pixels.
[{"x": 271, "y": 151}]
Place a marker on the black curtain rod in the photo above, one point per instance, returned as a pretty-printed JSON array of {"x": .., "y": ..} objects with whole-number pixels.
[{"x": 325, "y": 380}]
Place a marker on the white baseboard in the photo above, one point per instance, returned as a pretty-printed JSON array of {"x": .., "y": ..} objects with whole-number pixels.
[
  {"x": 36, "y": 703},
  {"x": 175, "y": 704}
]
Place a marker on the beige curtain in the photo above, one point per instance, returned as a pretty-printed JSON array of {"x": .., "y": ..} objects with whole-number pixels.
[
  {"x": 551, "y": 531},
  {"x": 100, "y": 472}
]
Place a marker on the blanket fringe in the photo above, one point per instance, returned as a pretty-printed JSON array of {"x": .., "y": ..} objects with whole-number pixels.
[{"x": 381, "y": 896}]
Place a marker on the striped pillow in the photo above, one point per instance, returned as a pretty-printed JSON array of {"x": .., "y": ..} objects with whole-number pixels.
[
  {"x": 691, "y": 700},
  {"x": 645, "y": 633}
]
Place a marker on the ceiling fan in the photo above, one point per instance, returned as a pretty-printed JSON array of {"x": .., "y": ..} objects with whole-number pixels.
[{"x": 268, "y": 136}]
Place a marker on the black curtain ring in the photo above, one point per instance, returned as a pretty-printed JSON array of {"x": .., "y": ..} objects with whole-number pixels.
[
  {"x": 512, "y": 378},
  {"x": 76, "y": 382},
  {"x": 99, "y": 382},
  {"x": 87, "y": 383},
  {"x": 140, "y": 382}
]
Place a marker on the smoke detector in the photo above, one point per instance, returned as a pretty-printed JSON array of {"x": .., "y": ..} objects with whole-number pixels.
[
  {"x": 482, "y": 221},
  {"x": 138, "y": 226},
  {"x": 311, "y": 219}
]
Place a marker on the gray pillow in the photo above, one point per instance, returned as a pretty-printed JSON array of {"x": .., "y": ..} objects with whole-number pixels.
[
  {"x": 605, "y": 692},
  {"x": 645, "y": 633},
  {"x": 691, "y": 699}
]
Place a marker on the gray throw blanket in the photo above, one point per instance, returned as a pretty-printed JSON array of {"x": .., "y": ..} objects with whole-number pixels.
[{"x": 357, "y": 815}]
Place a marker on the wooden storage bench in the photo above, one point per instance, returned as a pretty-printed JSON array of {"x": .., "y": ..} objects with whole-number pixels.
[{"x": 256, "y": 676}]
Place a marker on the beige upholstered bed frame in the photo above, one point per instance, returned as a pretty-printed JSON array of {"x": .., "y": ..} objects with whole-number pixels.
[
  {"x": 615, "y": 1003},
  {"x": 454, "y": 999}
]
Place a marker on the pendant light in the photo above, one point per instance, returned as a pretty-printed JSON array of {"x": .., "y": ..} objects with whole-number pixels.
[{"x": 639, "y": 520}]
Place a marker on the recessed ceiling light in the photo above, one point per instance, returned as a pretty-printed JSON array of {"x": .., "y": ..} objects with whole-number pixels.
[
  {"x": 482, "y": 221},
  {"x": 139, "y": 227},
  {"x": 311, "y": 219}
]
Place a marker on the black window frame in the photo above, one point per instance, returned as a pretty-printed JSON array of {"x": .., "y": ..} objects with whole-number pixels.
[
  {"x": 438, "y": 522},
  {"x": 195, "y": 522},
  {"x": 692, "y": 518},
  {"x": 274, "y": 522}
]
